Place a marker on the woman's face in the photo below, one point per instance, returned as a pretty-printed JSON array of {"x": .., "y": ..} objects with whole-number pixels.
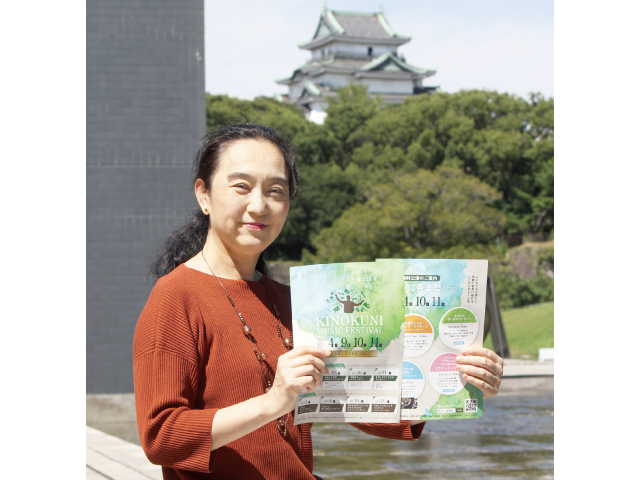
[{"x": 249, "y": 196}]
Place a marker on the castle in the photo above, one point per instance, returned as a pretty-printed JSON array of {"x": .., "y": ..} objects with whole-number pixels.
[{"x": 353, "y": 47}]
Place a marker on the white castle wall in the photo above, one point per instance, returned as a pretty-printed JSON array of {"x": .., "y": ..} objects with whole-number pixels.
[
  {"x": 389, "y": 86},
  {"x": 334, "y": 80},
  {"x": 353, "y": 50}
]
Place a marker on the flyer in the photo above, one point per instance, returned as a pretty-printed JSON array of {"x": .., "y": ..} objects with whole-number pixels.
[
  {"x": 355, "y": 310},
  {"x": 444, "y": 312}
]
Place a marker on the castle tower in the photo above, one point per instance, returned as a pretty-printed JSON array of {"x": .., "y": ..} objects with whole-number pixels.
[{"x": 353, "y": 47}]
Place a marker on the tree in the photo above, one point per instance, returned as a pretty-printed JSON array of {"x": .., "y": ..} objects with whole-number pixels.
[
  {"x": 410, "y": 214},
  {"x": 502, "y": 139},
  {"x": 346, "y": 116},
  {"x": 314, "y": 143},
  {"x": 325, "y": 192}
]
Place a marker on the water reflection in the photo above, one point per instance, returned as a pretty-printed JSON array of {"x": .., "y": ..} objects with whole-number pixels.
[{"x": 514, "y": 439}]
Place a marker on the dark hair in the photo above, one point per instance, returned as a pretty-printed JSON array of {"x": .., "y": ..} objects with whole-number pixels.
[{"x": 188, "y": 239}]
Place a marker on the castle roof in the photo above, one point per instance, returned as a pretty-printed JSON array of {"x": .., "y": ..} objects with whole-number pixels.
[
  {"x": 363, "y": 25},
  {"x": 353, "y": 27},
  {"x": 385, "y": 66},
  {"x": 390, "y": 63}
]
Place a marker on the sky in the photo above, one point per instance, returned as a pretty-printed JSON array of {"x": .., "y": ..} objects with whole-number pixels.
[{"x": 502, "y": 45}]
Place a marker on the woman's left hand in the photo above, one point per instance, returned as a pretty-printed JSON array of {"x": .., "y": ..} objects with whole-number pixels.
[{"x": 481, "y": 367}]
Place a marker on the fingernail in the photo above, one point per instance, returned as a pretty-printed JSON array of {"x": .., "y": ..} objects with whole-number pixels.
[
  {"x": 459, "y": 358},
  {"x": 458, "y": 367},
  {"x": 327, "y": 352}
]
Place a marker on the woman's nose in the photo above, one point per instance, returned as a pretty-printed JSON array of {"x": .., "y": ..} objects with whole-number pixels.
[{"x": 257, "y": 204}]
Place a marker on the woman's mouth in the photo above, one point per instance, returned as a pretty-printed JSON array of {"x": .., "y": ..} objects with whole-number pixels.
[{"x": 255, "y": 226}]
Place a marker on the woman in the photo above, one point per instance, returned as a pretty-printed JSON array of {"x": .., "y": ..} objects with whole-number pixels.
[{"x": 216, "y": 375}]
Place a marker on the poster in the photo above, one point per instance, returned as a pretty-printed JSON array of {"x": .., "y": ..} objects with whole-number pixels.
[
  {"x": 355, "y": 310},
  {"x": 444, "y": 304}
]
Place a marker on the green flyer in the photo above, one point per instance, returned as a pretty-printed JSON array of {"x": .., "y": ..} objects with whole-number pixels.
[
  {"x": 444, "y": 304},
  {"x": 356, "y": 311}
]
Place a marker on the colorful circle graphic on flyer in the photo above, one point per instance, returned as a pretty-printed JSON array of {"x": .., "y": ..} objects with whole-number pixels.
[
  {"x": 458, "y": 328},
  {"x": 443, "y": 375},
  {"x": 413, "y": 382},
  {"x": 418, "y": 335}
]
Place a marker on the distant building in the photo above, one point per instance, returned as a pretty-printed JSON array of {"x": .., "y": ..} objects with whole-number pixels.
[{"x": 353, "y": 47}]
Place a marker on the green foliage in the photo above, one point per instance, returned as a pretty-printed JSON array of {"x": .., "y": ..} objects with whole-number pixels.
[
  {"x": 314, "y": 143},
  {"x": 411, "y": 215},
  {"x": 439, "y": 175},
  {"x": 514, "y": 291},
  {"x": 501, "y": 139},
  {"x": 346, "y": 117},
  {"x": 325, "y": 192}
]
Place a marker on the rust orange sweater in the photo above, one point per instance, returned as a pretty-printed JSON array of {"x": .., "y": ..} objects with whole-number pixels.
[{"x": 190, "y": 359}]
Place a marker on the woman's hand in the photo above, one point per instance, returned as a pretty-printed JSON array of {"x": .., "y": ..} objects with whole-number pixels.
[
  {"x": 297, "y": 369},
  {"x": 481, "y": 367}
]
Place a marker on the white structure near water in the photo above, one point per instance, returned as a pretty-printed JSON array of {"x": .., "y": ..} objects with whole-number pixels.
[
  {"x": 353, "y": 47},
  {"x": 545, "y": 355}
]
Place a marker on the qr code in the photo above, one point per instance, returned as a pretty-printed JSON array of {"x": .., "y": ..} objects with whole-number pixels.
[{"x": 470, "y": 404}]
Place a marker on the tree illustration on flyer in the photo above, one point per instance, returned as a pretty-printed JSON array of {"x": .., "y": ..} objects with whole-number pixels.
[
  {"x": 349, "y": 306},
  {"x": 355, "y": 310},
  {"x": 338, "y": 301}
]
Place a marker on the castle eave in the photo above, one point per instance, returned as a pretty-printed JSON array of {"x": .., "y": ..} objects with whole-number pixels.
[
  {"x": 328, "y": 39},
  {"x": 381, "y": 74}
]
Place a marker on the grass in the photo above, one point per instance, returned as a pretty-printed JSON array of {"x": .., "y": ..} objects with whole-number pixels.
[{"x": 528, "y": 329}]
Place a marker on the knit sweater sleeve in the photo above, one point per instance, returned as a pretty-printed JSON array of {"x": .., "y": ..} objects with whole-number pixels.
[
  {"x": 173, "y": 432},
  {"x": 393, "y": 431}
]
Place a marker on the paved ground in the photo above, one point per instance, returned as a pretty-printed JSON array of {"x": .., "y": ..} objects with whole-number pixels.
[
  {"x": 113, "y": 446},
  {"x": 109, "y": 457},
  {"x": 522, "y": 375}
]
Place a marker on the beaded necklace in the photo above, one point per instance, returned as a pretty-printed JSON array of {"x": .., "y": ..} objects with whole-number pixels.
[{"x": 287, "y": 343}]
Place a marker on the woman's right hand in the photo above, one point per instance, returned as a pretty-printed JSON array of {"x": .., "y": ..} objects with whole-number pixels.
[{"x": 299, "y": 368}]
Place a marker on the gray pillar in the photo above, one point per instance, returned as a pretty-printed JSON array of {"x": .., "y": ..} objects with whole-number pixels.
[{"x": 145, "y": 114}]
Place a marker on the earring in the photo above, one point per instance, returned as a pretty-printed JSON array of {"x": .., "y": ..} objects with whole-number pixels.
[{"x": 206, "y": 211}]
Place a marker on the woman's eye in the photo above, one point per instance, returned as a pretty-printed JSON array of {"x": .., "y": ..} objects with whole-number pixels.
[{"x": 239, "y": 185}]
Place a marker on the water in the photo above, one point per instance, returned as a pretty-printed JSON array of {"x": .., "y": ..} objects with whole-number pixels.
[{"x": 513, "y": 440}]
